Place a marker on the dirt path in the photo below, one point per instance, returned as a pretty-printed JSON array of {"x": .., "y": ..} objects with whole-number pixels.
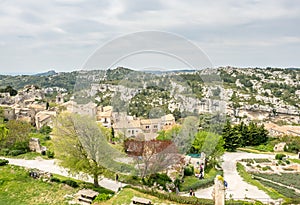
[
  {"x": 237, "y": 188},
  {"x": 52, "y": 167}
]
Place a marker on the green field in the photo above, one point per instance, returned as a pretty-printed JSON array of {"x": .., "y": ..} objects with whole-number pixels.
[{"x": 17, "y": 187}]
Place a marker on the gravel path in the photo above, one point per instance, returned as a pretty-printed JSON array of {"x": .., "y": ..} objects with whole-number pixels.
[
  {"x": 237, "y": 188},
  {"x": 52, "y": 167}
]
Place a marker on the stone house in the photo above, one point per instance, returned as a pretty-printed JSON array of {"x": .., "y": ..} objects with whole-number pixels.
[
  {"x": 44, "y": 118},
  {"x": 104, "y": 115}
]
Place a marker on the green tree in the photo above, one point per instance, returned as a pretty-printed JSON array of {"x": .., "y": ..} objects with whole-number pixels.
[
  {"x": 18, "y": 135},
  {"x": 209, "y": 143},
  {"x": 3, "y": 135},
  {"x": 169, "y": 134},
  {"x": 231, "y": 137},
  {"x": 81, "y": 145}
]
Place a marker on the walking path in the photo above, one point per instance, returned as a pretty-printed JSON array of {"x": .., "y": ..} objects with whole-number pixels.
[
  {"x": 237, "y": 188},
  {"x": 52, "y": 167}
]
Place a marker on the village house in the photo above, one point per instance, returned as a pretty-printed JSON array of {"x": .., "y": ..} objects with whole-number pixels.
[
  {"x": 132, "y": 126},
  {"x": 104, "y": 115},
  {"x": 89, "y": 109},
  {"x": 44, "y": 118}
]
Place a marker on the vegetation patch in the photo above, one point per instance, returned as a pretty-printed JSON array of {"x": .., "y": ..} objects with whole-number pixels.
[
  {"x": 249, "y": 179},
  {"x": 288, "y": 179},
  {"x": 17, "y": 187},
  {"x": 192, "y": 182}
]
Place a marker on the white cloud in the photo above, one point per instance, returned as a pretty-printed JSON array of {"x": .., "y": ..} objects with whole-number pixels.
[{"x": 50, "y": 27}]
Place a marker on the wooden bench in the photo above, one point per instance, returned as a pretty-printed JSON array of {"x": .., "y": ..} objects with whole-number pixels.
[{"x": 138, "y": 200}]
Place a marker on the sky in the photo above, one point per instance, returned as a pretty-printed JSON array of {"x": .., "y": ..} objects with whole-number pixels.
[{"x": 37, "y": 36}]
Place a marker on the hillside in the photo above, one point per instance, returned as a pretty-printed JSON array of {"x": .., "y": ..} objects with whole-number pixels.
[{"x": 252, "y": 93}]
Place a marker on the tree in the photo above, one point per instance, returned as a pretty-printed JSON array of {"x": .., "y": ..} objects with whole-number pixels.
[
  {"x": 3, "y": 135},
  {"x": 9, "y": 90},
  {"x": 152, "y": 156},
  {"x": 231, "y": 138},
  {"x": 81, "y": 145},
  {"x": 209, "y": 143},
  {"x": 169, "y": 134},
  {"x": 18, "y": 135},
  {"x": 177, "y": 114}
]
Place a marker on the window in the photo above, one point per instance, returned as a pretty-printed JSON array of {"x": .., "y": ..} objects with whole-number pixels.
[
  {"x": 155, "y": 126},
  {"x": 147, "y": 126}
]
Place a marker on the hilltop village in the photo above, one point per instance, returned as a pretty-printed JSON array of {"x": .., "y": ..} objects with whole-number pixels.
[{"x": 268, "y": 96}]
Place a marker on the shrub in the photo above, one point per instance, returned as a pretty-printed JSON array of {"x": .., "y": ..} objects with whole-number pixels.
[
  {"x": 160, "y": 179},
  {"x": 16, "y": 152},
  {"x": 54, "y": 179},
  {"x": 50, "y": 154},
  {"x": 102, "y": 197},
  {"x": 4, "y": 152},
  {"x": 3, "y": 162},
  {"x": 266, "y": 168},
  {"x": 287, "y": 162},
  {"x": 71, "y": 183},
  {"x": 279, "y": 156},
  {"x": 188, "y": 171}
]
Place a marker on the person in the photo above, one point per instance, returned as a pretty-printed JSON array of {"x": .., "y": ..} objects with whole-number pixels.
[
  {"x": 201, "y": 171},
  {"x": 225, "y": 184},
  {"x": 117, "y": 177},
  {"x": 191, "y": 192}
]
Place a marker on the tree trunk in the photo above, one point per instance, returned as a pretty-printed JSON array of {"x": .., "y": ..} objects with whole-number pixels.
[{"x": 96, "y": 182}]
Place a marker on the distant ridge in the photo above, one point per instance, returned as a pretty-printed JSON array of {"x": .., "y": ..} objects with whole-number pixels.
[
  {"x": 293, "y": 68},
  {"x": 168, "y": 71},
  {"x": 48, "y": 73}
]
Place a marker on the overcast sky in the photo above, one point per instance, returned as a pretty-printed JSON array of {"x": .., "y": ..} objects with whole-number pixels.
[{"x": 37, "y": 36}]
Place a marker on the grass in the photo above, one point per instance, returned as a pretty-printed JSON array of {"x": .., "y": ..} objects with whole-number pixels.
[
  {"x": 125, "y": 196},
  {"x": 29, "y": 156},
  {"x": 295, "y": 160},
  {"x": 195, "y": 183},
  {"x": 289, "y": 193},
  {"x": 16, "y": 187},
  {"x": 249, "y": 179},
  {"x": 255, "y": 151},
  {"x": 251, "y": 150},
  {"x": 285, "y": 178}
]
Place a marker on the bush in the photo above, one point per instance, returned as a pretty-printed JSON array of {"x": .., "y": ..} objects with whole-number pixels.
[
  {"x": 50, "y": 154},
  {"x": 188, "y": 171},
  {"x": 16, "y": 152},
  {"x": 160, "y": 179},
  {"x": 4, "y": 152},
  {"x": 175, "y": 198},
  {"x": 102, "y": 197},
  {"x": 71, "y": 183},
  {"x": 279, "y": 156},
  {"x": 266, "y": 168},
  {"x": 54, "y": 179},
  {"x": 3, "y": 162}
]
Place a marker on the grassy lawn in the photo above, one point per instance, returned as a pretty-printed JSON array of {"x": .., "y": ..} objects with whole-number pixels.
[
  {"x": 194, "y": 183},
  {"x": 249, "y": 179},
  {"x": 16, "y": 187},
  {"x": 125, "y": 196}
]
